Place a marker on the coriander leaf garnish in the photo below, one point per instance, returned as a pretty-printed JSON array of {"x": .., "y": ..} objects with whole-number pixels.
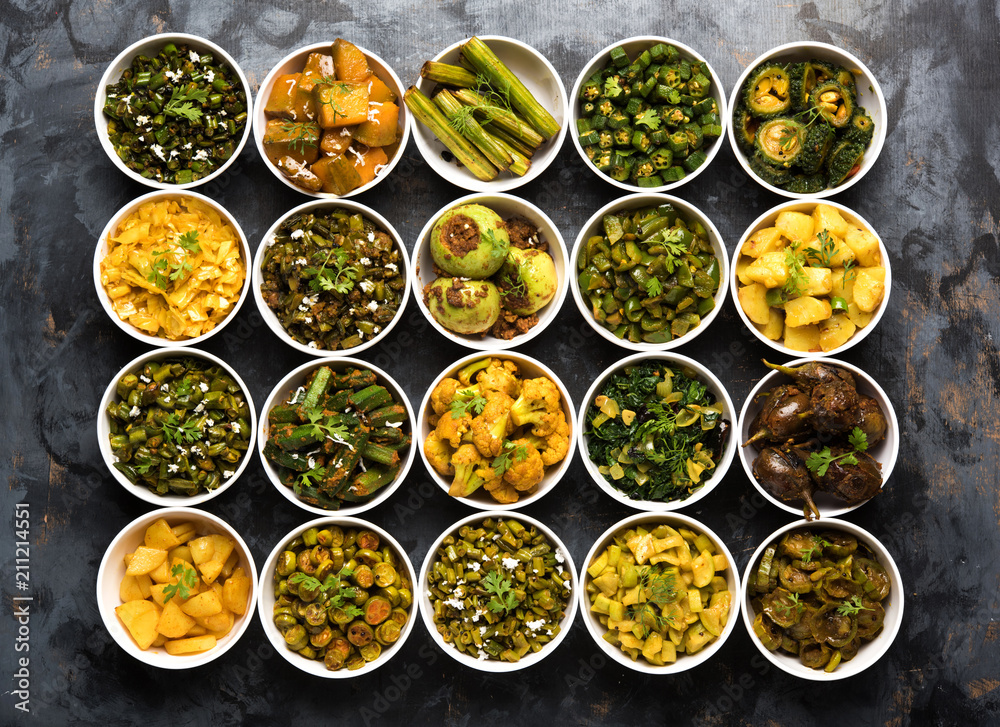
[
  {"x": 505, "y": 460},
  {"x": 323, "y": 427},
  {"x": 461, "y": 407},
  {"x": 819, "y": 462},
  {"x": 189, "y": 241},
  {"x": 796, "y": 282},
  {"x": 648, "y": 118},
  {"x": 302, "y": 135},
  {"x": 178, "y": 433},
  {"x": 340, "y": 278},
  {"x": 187, "y": 581},
  {"x": 503, "y": 598},
  {"x": 852, "y": 607},
  {"x": 653, "y": 287},
  {"x": 180, "y": 103},
  {"x": 827, "y": 250},
  {"x": 611, "y": 87},
  {"x": 311, "y": 477}
]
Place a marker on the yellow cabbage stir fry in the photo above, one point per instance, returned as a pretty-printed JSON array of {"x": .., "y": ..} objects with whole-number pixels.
[
  {"x": 660, "y": 593},
  {"x": 493, "y": 428},
  {"x": 174, "y": 268},
  {"x": 811, "y": 281}
]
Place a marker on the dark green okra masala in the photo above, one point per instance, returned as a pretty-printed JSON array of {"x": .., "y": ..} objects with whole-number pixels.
[{"x": 339, "y": 438}]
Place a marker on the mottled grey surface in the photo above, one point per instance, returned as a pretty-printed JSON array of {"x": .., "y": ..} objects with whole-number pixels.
[{"x": 933, "y": 196}]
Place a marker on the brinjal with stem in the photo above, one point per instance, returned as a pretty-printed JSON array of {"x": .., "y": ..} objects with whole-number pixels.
[
  {"x": 783, "y": 416},
  {"x": 783, "y": 473},
  {"x": 852, "y": 483},
  {"x": 812, "y": 373}
]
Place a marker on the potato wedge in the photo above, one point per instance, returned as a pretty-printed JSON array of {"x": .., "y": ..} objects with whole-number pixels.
[
  {"x": 160, "y": 536},
  {"x": 752, "y": 300},
  {"x": 190, "y": 645},
  {"x": 144, "y": 560}
]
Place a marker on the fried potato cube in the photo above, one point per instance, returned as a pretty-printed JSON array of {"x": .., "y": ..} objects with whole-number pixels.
[
  {"x": 181, "y": 552},
  {"x": 210, "y": 571},
  {"x": 765, "y": 240},
  {"x": 203, "y": 604},
  {"x": 160, "y": 536},
  {"x": 802, "y": 338},
  {"x": 235, "y": 592},
  {"x": 827, "y": 217},
  {"x": 806, "y": 310},
  {"x": 843, "y": 284},
  {"x": 865, "y": 246},
  {"x": 858, "y": 317},
  {"x": 231, "y": 561},
  {"x": 818, "y": 281},
  {"x": 775, "y": 325},
  {"x": 770, "y": 270},
  {"x": 223, "y": 547},
  {"x": 156, "y": 593},
  {"x": 869, "y": 287},
  {"x": 174, "y": 623},
  {"x": 202, "y": 549},
  {"x": 140, "y": 618},
  {"x": 218, "y": 624},
  {"x": 184, "y": 532},
  {"x": 796, "y": 226},
  {"x": 129, "y": 589},
  {"x": 145, "y": 560},
  {"x": 190, "y": 645},
  {"x": 835, "y": 331},
  {"x": 752, "y": 300},
  {"x": 742, "y": 264}
]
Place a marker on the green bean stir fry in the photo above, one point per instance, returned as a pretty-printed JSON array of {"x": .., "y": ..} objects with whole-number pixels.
[
  {"x": 499, "y": 591},
  {"x": 333, "y": 278},
  {"x": 340, "y": 598},
  {"x": 651, "y": 276},
  {"x": 179, "y": 426},
  {"x": 178, "y": 116}
]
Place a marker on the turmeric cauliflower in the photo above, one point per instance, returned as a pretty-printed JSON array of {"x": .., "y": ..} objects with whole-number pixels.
[
  {"x": 490, "y": 429},
  {"x": 501, "y": 376},
  {"x": 554, "y": 446},
  {"x": 472, "y": 471},
  {"x": 453, "y": 429},
  {"x": 438, "y": 453},
  {"x": 539, "y": 405},
  {"x": 443, "y": 394},
  {"x": 527, "y": 468}
]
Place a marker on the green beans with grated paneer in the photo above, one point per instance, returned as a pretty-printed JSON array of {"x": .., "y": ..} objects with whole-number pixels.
[
  {"x": 333, "y": 278},
  {"x": 178, "y": 116},
  {"x": 179, "y": 426}
]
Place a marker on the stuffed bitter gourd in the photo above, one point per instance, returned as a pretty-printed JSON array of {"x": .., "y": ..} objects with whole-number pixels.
[{"x": 789, "y": 119}]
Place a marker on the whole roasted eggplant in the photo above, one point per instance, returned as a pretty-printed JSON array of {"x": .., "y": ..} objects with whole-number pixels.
[
  {"x": 783, "y": 417},
  {"x": 782, "y": 472}
]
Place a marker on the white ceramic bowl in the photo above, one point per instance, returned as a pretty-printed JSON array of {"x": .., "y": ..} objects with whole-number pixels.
[
  {"x": 293, "y": 63},
  {"x": 688, "y": 211},
  {"x": 151, "y": 46},
  {"x": 870, "y": 652},
  {"x": 112, "y": 570},
  {"x": 715, "y": 387},
  {"x": 767, "y": 220},
  {"x": 293, "y": 381},
  {"x": 266, "y": 599},
  {"x": 529, "y": 368},
  {"x": 102, "y": 250},
  {"x": 633, "y": 47},
  {"x": 597, "y": 630},
  {"x": 104, "y": 428},
  {"x": 870, "y": 97},
  {"x": 538, "y": 76},
  {"x": 885, "y": 452},
  {"x": 269, "y": 316},
  {"x": 507, "y": 206},
  {"x": 423, "y": 595}
]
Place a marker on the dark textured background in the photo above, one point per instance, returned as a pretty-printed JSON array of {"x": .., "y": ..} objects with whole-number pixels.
[{"x": 933, "y": 196}]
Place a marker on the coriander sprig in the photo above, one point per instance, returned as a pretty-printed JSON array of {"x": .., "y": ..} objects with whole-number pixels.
[
  {"x": 187, "y": 581},
  {"x": 180, "y": 103},
  {"x": 819, "y": 462},
  {"x": 503, "y": 598},
  {"x": 181, "y": 432}
]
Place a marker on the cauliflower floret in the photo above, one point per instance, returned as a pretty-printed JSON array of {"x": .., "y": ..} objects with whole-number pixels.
[
  {"x": 500, "y": 376},
  {"x": 472, "y": 471},
  {"x": 453, "y": 429},
  {"x": 501, "y": 491},
  {"x": 492, "y": 426},
  {"x": 525, "y": 471},
  {"x": 539, "y": 405},
  {"x": 555, "y": 446},
  {"x": 438, "y": 453},
  {"x": 443, "y": 394}
]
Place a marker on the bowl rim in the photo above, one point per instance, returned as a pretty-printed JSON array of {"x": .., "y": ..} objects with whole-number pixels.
[
  {"x": 796, "y": 49},
  {"x": 113, "y": 73},
  {"x": 551, "y": 308},
  {"x": 280, "y": 391},
  {"x": 866, "y": 380},
  {"x": 882, "y": 642},
  {"x": 101, "y": 251},
  {"x": 539, "y": 163},
  {"x": 729, "y": 451},
  {"x": 558, "y": 471},
  {"x": 491, "y": 666},
  {"x": 264, "y": 597},
  {"x": 761, "y": 222},
  {"x": 634, "y": 201},
  {"x": 257, "y": 276},
  {"x": 260, "y": 119},
  {"x": 103, "y": 429},
  {"x": 119, "y": 633},
  {"x": 601, "y": 58},
  {"x": 597, "y": 631}
]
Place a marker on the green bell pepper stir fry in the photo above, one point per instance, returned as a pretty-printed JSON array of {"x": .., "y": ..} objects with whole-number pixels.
[
  {"x": 651, "y": 277},
  {"x": 179, "y": 426},
  {"x": 655, "y": 432},
  {"x": 176, "y": 117}
]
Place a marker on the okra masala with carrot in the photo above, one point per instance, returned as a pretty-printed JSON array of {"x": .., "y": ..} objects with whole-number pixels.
[{"x": 333, "y": 126}]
